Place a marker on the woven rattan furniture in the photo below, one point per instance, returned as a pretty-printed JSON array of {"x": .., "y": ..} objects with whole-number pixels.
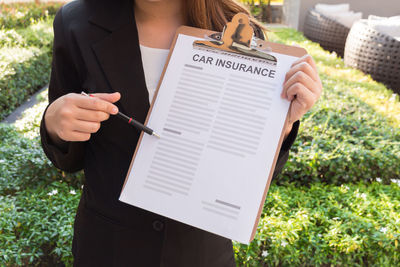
[
  {"x": 374, "y": 53},
  {"x": 330, "y": 34}
]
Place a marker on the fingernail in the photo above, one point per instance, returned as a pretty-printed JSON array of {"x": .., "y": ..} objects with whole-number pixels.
[
  {"x": 114, "y": 110},
  {"x": 91, "y": 95}
]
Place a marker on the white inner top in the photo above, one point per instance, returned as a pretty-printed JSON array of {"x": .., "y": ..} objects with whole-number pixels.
[{"x": 153, "y": 60}]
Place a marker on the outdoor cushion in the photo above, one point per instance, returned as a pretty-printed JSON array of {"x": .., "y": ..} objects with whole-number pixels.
[
  {"x": 330, "y": 9},
  {"x": 347, "y": 18},
  {"x": 389, "y": 26},
  {"x": 340, "y": 13}
]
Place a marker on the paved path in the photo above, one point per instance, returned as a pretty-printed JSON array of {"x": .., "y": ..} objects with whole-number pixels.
[{"x": 16, "y": 114}]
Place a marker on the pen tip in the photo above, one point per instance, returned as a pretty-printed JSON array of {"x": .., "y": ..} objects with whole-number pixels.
[{"x": 156, "y": 135}]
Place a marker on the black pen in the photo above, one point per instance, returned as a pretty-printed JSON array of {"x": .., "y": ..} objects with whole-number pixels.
[{"x": 133, "y": 122}]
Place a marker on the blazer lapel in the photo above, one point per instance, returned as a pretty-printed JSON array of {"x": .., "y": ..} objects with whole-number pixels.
[{"x": 120, "y": 58}]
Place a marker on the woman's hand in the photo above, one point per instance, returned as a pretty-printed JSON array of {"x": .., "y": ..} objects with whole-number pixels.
[
  {"x": 302, "y": 87},
  {"x": 74, "y": 117}
]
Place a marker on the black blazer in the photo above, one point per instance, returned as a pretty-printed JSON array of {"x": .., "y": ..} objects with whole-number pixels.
[{"x": 96, "y": 48}]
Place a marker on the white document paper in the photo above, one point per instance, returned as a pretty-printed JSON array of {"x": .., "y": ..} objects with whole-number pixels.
[{"x": 220, "y": 125}]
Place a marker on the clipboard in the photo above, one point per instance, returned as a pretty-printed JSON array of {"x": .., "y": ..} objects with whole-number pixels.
[{"x": 248, "y": 49}]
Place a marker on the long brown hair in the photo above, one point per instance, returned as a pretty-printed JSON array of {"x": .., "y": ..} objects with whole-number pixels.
[{"x": 214, "y": 14}]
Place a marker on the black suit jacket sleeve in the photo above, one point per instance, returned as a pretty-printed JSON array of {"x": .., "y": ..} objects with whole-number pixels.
[
  {"x": 64, "y": 79},
  {"x": 284, "y": 152}
]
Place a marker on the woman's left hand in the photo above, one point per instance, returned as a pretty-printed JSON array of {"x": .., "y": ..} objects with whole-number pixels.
[{"x": 302, "y": 87}]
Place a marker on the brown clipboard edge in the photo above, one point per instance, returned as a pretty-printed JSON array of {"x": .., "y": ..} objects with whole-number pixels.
[{"x": 276, "y": 48}]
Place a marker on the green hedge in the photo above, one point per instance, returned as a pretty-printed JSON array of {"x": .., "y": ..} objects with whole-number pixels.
[
  {"x": 37, "y": 201},
  {"x": 327, "y": 225},
  {"x": 21, "y": 15},
  {"x": 25, "y": 60},
  {"x": 39, "y": 34},
  {"x": 343, "y": 140},
  {"x": 24, "y": 165},
  {"x": 26, "y": 38},
  {"x": 353, "y": 132},
  {"x": 25, "y": 71},
  {"x": 36, "y": 225}
]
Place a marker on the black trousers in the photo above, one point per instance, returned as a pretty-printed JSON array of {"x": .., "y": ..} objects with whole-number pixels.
[{"x": 99, "y": 241}]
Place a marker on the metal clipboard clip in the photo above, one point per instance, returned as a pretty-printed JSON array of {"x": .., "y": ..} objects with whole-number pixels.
[{"x": 238, "y": 38}]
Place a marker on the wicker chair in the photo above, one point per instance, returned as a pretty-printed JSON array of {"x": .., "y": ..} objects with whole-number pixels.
[
  {"x": 374, "y": 53},
  {"x": 330, "y": 34}
]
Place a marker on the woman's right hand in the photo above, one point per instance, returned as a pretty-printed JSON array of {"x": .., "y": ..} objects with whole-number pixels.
[{"x": 74, "y": 117}]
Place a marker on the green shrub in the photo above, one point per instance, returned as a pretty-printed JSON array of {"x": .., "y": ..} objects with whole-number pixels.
[
  {"x": 9, "y": 38},
  {"x": 25, "y": 55},
  {"x": 24, "y": 165},
  {"x": 36, "y": 225},
  {"x": 343, "y": 140},
  {"x": 327, "y": 225},
  {"x": 39, "y": 34},
  {"x": 347, "y": 136},
  {"x": 23, "y": 71},
  {"x": 37, "y": 201},
  {"x": 20, "y": 15},
  {"x": 25, "y": 61}
]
